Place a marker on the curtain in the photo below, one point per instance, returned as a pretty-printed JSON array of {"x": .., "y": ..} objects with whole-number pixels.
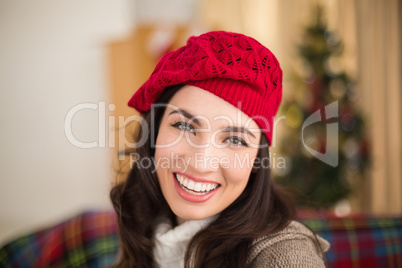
[
  {"x": 379, "y": 42},
  {"x": 371, "y": 33}
]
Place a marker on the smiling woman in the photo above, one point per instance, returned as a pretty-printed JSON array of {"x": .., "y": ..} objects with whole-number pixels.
[
  {"x": 206, "y": 201},
  {"x": 206, "y": 187}
]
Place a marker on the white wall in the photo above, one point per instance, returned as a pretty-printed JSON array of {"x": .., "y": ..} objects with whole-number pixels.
[{"x": 52, "y": 57}]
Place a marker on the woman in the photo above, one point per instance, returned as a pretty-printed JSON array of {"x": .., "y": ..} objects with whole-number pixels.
[{"x": 208, "y": 200}]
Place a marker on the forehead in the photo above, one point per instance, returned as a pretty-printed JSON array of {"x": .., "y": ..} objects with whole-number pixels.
[{"x": 202, "y": 103}]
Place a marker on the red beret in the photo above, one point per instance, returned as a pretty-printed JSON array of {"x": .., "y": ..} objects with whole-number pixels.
[{"x": 232, "y": 66}]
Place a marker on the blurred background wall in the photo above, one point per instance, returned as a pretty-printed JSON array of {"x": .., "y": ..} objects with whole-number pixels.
[{"x": 55, "y": 55}]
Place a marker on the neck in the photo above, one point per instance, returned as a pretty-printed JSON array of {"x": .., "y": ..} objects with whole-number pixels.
[{"x": 180, "y": 220}]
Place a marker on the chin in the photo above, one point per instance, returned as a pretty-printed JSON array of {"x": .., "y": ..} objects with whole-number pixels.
[{"x": 191, "y": 214}]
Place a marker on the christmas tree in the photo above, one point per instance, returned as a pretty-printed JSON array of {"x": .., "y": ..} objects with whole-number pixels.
[{"x": 319, "y": 85}]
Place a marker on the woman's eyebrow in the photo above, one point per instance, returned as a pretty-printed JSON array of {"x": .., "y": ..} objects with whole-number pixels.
[
  {"x": 238, "y": 129},
  {"x": 188, "y": 115}
]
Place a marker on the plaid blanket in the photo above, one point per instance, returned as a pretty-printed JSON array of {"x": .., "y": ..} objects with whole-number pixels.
[
  {"x": 87, "y": 240},
  {"x": 90, "y": 240},
  {"x": 360, "y": 240}
]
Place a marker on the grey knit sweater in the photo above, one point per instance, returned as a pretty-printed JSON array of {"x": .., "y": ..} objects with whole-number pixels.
[{"x": 295, "y": 246}]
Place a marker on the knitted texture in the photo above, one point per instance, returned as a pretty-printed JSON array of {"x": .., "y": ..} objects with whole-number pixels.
[
  {"x": 295, "y": 246},
  {"x": 232, "y": 66}
]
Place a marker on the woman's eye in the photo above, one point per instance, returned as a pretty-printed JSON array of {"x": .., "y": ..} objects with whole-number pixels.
[
  {"x": 183, "y": 126},
  {"x": 236, "y": 141}
]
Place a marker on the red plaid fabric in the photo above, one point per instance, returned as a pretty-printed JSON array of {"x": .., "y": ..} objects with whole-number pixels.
[
  {"x": 90, "y": 240},
  {"x": 86, "y": 240},
  {"x": 359, "y": 240}
]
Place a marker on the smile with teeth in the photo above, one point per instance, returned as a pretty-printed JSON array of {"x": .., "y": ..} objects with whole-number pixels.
[{"x": 193, "y": 187}]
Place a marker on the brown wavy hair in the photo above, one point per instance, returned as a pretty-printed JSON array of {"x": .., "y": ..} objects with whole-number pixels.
[{"x": 262, "y": 209}]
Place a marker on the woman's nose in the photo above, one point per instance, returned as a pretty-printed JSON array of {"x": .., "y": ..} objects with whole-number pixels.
[{"x": 205, "y": 157}]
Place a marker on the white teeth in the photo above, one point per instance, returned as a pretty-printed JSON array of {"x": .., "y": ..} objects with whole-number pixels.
[
  {"x": 203, "y": 187},
  {"x": 197, "y": 188},
  {"x": 191, "y": 185},
  {"x": 208, "y": 187}
]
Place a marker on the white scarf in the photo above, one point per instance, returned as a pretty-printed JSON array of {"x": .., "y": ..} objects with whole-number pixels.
[{"x": 171, "y": 244}]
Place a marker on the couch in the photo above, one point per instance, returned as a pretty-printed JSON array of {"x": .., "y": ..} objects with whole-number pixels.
[{"x": 90, "y": 240}]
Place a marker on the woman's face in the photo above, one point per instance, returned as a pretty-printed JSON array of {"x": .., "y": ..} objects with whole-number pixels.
[{"x": 205, "y": 150}]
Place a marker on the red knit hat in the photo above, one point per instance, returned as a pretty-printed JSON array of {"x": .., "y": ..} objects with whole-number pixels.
[{"x": 232, "y": 66}]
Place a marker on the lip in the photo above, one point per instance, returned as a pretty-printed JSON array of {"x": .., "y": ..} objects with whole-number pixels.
[
  {"x": 190, "y": 197},
  {"x": 196, "y": 179}
]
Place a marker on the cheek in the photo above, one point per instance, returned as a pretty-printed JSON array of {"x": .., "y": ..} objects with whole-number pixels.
[
  {"x": 170, "y": 138},
  {"x": 239, "y": 162},
  {"x": 169, "y": 150},
  {"x": 166, "y": 138},
  {"x": 237, "y": 177},
  {"x": 169, "y": 145},
  {"x": 238, "y": 168}
]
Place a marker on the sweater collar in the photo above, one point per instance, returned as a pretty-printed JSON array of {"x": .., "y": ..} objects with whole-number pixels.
[{"x": 171, "y": 243}]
